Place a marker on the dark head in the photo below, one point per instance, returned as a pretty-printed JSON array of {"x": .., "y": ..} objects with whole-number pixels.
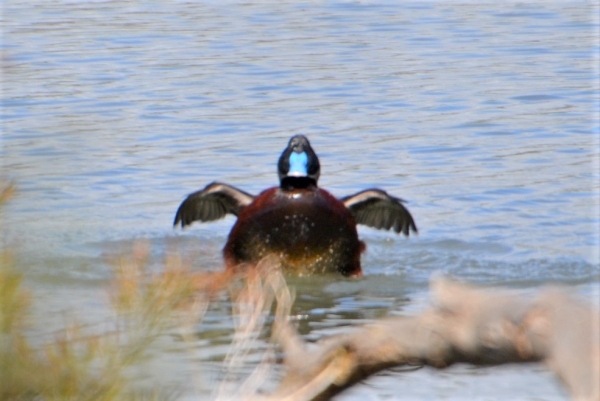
[{"x": 298, "y": 165}]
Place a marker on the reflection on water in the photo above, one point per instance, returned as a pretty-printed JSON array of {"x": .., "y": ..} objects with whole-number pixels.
[{"x": 483, "y": 117}]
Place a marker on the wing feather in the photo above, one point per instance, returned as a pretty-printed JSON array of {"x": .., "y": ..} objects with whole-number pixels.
[
  {"x": 375, "y": 208},
  {"x": 212, "y": 203}
]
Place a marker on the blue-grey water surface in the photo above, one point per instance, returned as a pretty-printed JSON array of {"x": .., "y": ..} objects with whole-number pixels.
[{"x": 484, "y": 117}]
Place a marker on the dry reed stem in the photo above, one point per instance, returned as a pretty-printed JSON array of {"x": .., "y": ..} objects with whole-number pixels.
[{"x": 263, "y": 286}]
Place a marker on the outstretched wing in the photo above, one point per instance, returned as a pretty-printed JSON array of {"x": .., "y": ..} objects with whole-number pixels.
[
  {"x": 375, "y": 208},
  {"x": 212, "y": 203}
]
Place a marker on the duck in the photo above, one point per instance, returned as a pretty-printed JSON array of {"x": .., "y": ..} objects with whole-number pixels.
[{"x": 308, "y": 229}]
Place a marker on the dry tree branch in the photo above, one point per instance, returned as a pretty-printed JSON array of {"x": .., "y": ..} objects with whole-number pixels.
[{"x": 466, "y": 324}]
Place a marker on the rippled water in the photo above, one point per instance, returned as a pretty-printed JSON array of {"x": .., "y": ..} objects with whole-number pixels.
[{"x": 484, "y": 117}]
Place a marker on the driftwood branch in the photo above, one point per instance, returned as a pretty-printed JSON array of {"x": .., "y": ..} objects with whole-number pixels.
[{"x": 480, "y": 326}]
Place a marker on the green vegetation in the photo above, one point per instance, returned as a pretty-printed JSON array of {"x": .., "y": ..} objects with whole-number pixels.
[{"x": 76, "y": 364}]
